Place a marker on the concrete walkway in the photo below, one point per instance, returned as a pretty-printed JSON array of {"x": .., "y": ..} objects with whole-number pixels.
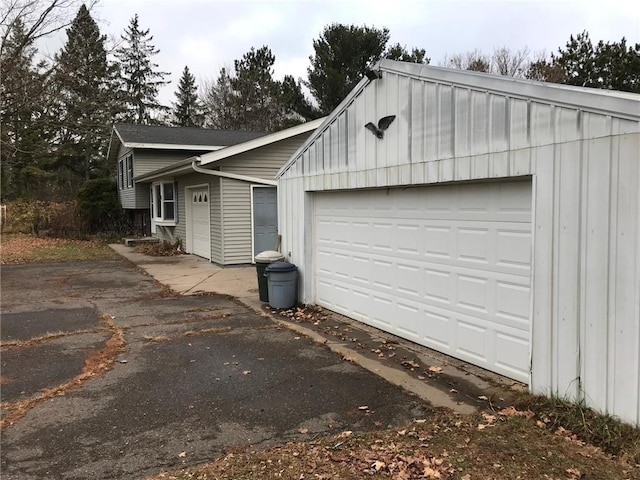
[
  {"x": 439, "y": 379},
  {"x": 191, "y": 275}
]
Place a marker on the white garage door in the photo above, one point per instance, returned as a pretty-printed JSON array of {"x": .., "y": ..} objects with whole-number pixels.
[
  {"x": 199, "y": 231},
  {"x": 447, "y": 267}
]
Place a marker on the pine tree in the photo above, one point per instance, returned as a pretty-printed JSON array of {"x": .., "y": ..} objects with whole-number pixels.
[
  {"x": 24, "y": 134},
  {"x": 85, "y": 82},
  {"x": 187, "y": 111},
  {"x": 249, "y": 98},
  {"x": 342, "y": 53},
  {"x": 140, "y": 77}
]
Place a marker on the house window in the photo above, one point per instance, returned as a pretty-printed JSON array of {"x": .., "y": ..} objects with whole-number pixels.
[
  {"x": 129, "y": 162},
  {"x": 163, "y": 202},
  {"x": 125, "y": 172},
  {"x": 120, "y": 174}
]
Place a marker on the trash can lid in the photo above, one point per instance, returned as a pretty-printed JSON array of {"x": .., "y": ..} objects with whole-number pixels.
[
  {"x": 269, "y": 256},
  {"x": 281, "y": 267}
]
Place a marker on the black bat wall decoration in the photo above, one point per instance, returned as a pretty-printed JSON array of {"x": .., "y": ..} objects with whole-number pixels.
[{"x": 383, "y": 124}]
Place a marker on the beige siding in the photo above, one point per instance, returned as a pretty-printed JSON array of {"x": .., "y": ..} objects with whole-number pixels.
[
  {"x": 191, "y": 180},
  {"x": 236, "y": 195},
  {"x": 146, "y": 161},
  {"x": 216, "y": 221},
  {"x": 127, "y": 196},
  {"x": 263, "y": 162},
  {"x": 236, "y": 217}
]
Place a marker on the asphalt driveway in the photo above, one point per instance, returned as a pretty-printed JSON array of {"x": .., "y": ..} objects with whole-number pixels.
[{"x": 190, "y": 378}]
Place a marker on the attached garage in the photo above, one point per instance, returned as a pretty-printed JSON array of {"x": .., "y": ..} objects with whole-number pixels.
[{"x": 494, "y": 220}]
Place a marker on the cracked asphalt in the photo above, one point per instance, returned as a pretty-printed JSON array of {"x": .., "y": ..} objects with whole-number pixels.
[{"x": 198, "y": 376}]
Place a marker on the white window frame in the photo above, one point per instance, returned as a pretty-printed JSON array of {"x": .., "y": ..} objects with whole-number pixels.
[{"x": 159, "y": 203}]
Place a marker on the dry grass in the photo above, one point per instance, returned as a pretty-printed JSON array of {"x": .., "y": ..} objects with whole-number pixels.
[
  {"x": 19, "y": 248},
  {"x": 497, "y": 446},
  {"x": 190, "y": 333}
]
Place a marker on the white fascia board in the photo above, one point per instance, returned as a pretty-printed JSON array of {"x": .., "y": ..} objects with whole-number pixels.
[
  {"x": 260, "y": 142},
  {"x": 169, "y": 146}
]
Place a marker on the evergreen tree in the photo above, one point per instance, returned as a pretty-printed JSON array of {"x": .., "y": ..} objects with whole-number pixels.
[
  {"x": 187, "y": 111},
  {"x": 342, "y": 55},
  {"x": 399, "y": 52},
  {"x": 24, "y": 140},
  {"x": 85, "y": 84},
  {"x": 249, "y": 98},
  {"x": 140, "y": 77},
  {"x": 612, "y": 66}
]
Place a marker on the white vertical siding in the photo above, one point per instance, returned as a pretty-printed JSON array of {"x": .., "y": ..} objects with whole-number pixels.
[{"x": 585, "y": 169}]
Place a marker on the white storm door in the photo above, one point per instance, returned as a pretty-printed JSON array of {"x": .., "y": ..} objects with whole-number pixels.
[{"x": 448, "y": 267}]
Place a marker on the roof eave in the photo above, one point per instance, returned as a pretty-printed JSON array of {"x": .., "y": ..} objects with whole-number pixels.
[
  {"x": 239, "y": 148},
  {"x": 170, "y": 146}
]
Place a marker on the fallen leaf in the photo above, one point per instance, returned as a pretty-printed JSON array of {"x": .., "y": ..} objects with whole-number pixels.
[
  {"x": 378, "y": 465},
  {"x": 345, "y": 434},
  {"x": 304, "y": 430},
  {"x": 574, "y": 472},
  {"x": 246, "y": 372},
  {"x": 182, "y": 454},
  {"x": 410, "y": 364},
  {"x": 435, "y": 369}
]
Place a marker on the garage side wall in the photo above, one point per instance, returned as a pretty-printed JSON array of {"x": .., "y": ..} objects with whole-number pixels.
[{"x": 586, "y": 181}]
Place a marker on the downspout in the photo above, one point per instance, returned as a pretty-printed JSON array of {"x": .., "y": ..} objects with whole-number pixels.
[{"x": 234, "y": 176}]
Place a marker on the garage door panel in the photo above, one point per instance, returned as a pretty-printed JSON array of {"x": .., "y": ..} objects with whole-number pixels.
[{"x": 433, "y": 265}]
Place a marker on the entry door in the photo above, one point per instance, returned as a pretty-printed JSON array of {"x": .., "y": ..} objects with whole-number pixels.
[
  {"x": 200, "y": 230},
  {"x": 265, "y": 218},
  {"x": 448, "y": 267}
]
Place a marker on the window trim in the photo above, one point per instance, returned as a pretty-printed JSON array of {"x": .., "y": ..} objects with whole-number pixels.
[
  {"x": 125, "y": 172},
  {"x": 158, "y": 203}
]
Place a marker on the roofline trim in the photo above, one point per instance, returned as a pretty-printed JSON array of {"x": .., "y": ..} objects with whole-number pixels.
[
  {"x": 265, "y": 140},
  {"x": 170, "y": 146}
]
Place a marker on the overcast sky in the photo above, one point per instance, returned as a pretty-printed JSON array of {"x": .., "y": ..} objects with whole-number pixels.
[{"x": 206, "y": 35}]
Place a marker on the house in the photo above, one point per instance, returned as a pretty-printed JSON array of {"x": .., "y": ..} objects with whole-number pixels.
[
  {"x": 495, "y": 220},
  {"x": 136, "y": 150},
  {"x": 222, "y": 204}
]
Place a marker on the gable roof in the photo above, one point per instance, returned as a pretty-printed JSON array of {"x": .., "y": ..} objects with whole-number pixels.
[
  {"x": 175, "y": 138},
  {"x": 260, "y": 142},
  {"x": 608, "y": 102},
  {"x": 184, "y": 166}
]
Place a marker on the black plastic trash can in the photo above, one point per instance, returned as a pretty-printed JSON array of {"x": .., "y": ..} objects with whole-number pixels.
[
  {"x": 263, "y": 259},
  {"x": 282, "y": 281}
]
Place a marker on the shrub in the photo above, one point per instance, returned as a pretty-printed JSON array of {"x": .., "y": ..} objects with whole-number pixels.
[
  {"x": 99, "y": 206},
  {"x": 60, "y": 219}
]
